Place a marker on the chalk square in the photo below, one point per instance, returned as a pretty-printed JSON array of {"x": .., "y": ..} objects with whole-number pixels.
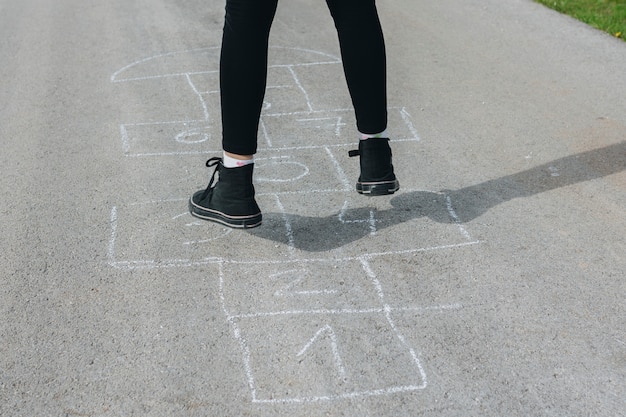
[
  {"x": 282, "y": 94},
  {"x": 169, "y": 138},
  {"x": 426, "y": 282},
  {"x": 168, "y": 237},
  {"x": 343, "y": 224},
  {"x": 205, "y": 83},
  {"x": 297, "y": 287},
  {"x": 342, "y": 356},
  {"x": 322, "y": 225},
  {"x": 308, "y": 129},
  {"x": 325, "y": 128},
  {"x": 280, "y": 171},
  {"x": 164, "y": 99},
  {"x": 332, "y": 93}
]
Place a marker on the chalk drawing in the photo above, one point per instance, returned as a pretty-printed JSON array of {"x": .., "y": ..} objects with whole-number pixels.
[
  {"x": 298, "y": 277},
  {"x": 305, "y": 94},
  {"x": 336, "y": 124},
  {"x": 320, "y": 334},
  {"x": 554, "y": 171},
  {"x": 288, "y": 228},
  {"x": 276, "y": 167},
  {"x": 192, "y": 136},
  {"x": 356, "y": 377},
  {"x": 371, "y": 220},
  {"x": 339, "y": 171},
  {"x": 299, "y": 317}
]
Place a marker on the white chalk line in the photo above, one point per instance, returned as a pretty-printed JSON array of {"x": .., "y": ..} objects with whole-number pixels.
[
  {"x": 387, "y": 308},
  {"x": 313, "y": 112},
  {"x": 372, "y": 223},
  {"x": 264, "y": 133},
  {"x": 341, "y": 175},
  {"x": 344, "y": 396},
  {"x": 183, "y": 214},
  {"x": 202, "y": 101},
  {"x": 349, "y": 311},
  {"x": 154, "y": 264},
  {"x": 278, "y": 87},
  {"x": 144, "y": 60},
  {"x": 114, "y": 77},
  {"x": 288, "y": 229},
  {"x": 167, "y": 200},
  {"x": 308, "y": 112},
  {"x": 171, "y": 122},
  {"x": 237, "y": 333},
  {"x": 426, "y": 249},
  {"x": 226, "y": 232},
  {"x": 112, "y": 237},
  {"x": 327, "y": 329},
  {"x": 456, "y": 218},
  {"x": 287, "y": 290},
  {"x": 162, "y": 76},
  {"x": 305, "y": 94},
  {"x": 125, "y": 139},
  {"x": 406, "y": 117},
  {"x": 371, "y": 220}
]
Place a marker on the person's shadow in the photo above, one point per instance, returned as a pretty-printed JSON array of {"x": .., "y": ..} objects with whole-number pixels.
[{"x": 316, "y": 234}]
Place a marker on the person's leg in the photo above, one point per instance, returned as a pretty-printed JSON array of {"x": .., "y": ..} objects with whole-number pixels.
[
  {"x": 243, "y": 73},
  {"x": 364, "y": 61}
]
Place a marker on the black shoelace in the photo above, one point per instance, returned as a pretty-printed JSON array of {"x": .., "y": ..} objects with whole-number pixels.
[{"x": 212, "y": 162}]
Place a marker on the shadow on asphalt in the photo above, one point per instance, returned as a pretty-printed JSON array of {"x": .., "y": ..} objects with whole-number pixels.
[{"x": 316, "y": 234}]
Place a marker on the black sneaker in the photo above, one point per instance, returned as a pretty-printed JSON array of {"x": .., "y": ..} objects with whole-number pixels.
[
  {"x": 231, "y": 200},
  {"x": 377, "y": 177}
]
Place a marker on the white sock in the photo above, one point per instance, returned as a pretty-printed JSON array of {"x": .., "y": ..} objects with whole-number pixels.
[
  {"x": 230, "y": 162},
  {"x": 365, "y": 136}
]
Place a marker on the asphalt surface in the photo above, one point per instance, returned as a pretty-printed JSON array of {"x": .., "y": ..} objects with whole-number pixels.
[{"x": 491, "y": 284}]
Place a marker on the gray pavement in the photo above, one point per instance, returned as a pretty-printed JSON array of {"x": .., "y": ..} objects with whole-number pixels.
[{"x": 492, "y": 284}]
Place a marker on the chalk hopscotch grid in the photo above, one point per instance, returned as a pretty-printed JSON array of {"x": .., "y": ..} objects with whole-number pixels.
[{"x": 196, "y": 134}]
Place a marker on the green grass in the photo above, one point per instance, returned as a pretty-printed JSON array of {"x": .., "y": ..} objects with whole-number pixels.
[{"x": 606, "y": 15}]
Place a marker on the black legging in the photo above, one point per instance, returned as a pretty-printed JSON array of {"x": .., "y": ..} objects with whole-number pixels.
[{"x": 243, "y": 66}]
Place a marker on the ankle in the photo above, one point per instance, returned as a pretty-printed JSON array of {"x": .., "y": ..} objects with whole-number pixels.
[
  {"x": 380, "y": 135},
  {"x": 231, "y": 160}
]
